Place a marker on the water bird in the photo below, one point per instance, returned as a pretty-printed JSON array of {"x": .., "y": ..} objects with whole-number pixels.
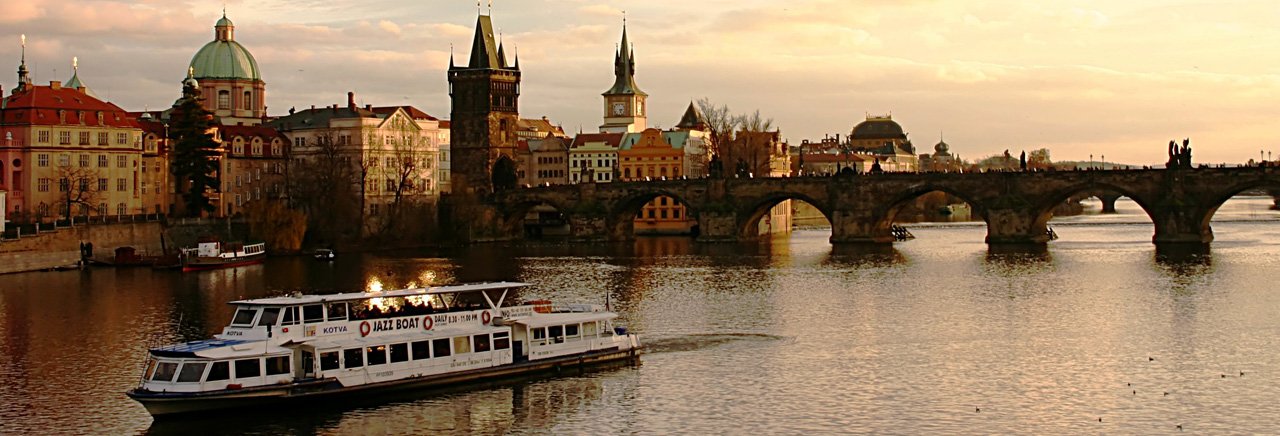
[
  {"x": 1224, "y": 376},
  {"x": 976, "y": 409},
  {"x": 1135, "y": 392},
  {"x": 1179, "y": 427},
  {"x": 1099, "y": 419},
  {"x": 1166, "y": 394},
  {"x": 1242, "y": 373},
  {"x": 1151, "y": 359}
]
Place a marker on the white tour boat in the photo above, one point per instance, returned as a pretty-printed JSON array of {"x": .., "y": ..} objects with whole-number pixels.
[{"x": 301, "y": 347}]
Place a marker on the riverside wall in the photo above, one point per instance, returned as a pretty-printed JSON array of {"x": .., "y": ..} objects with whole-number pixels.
[{"x": 61, "y": 248}]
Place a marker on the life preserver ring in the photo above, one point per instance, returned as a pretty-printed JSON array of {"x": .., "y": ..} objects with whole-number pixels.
[
  {"x": 364, "y": 328},
  {"x": 485, "y": 317},
  {"x": 428, "y": 323}
]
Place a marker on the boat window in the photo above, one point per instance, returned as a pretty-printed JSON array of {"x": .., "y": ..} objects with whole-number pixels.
[
  {"x": 328, "y": 360},
  {"x": 244, "y": 316},
  {"x": 421, "y": 350},
  {"x": 377, "y": 355},
  {"x": 589, "y": 329},
  {"x": 151, "y": 369},
  {"x": 440, "y": 347},
  {"x": 399, "y": 353},
  {"x": 571, "y": 330},
  {"x": 191, "y": 372},
  {"x": 313, "y": 313},
  {"x": 540, "y": 333},
  {"x": 462, "y": 345},
  {"x": 501, "y": 341},
  {"x": 165, "y": 371},
  {"x": 246, "y": 368},
  {"x": 290, "y": 316},
  {"x": 481, "y": 343},
  {"x": 352, "y": 358},
  {"x": 277, "y": 365},
  {"x": 219, "y": 371},
  {"x": 337, "y": 311},
  {"x": 269, "y": 316},
  {"x": 554, "y": 331}
]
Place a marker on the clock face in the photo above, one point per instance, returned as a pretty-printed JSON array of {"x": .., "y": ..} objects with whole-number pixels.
[{"x": 618, "y": 108}]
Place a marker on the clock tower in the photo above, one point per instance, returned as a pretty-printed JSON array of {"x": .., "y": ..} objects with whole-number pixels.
[{"x": 624, "y": 103}]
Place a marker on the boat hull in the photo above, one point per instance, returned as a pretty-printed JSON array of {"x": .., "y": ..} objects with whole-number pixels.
[
  {"x": 201, "y": 264},
  {"x": 165, "y": 405}
]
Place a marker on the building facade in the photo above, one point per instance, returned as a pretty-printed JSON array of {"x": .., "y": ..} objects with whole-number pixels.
[
  {"x": 651, "y": 155},
  {"x": 593, "y": 158},
  {"x": 252, "y": 166},
  {"x": 543, "y": 161},
  {"x": 884, "y": 140},
  {"x": 65, "y": 153}
]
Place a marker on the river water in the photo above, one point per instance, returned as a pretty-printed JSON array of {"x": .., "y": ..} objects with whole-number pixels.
[{"x": 937, "y": 335}]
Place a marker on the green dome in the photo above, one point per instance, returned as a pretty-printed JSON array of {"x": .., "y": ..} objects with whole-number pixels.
[{"x": 224, "y": 58}]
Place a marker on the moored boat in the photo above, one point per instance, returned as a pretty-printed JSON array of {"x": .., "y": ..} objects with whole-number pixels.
[
  {"x": 295, "y": 348},
  {"x": 214, "y": 255}
]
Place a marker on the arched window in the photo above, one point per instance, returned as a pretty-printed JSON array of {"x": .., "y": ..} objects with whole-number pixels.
[
  {"x": 224, "y": 100},
  {"x": 248, "y": 100}
]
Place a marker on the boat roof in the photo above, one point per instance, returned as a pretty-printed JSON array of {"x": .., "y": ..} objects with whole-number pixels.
[
  {"x": 353, "y": 296},
  {"x": 549, "y": 319},
  {"x": 215, "y": 348}
]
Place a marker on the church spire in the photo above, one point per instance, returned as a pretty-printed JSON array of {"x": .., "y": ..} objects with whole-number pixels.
[
  {"x": 624, "y": 68},
  {"x": 23, "y": 79}
]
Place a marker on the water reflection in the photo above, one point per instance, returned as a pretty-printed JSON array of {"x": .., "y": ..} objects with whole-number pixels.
[
  {"x": 864, "y": 255},
  {"x": 1180, "y": 254}
]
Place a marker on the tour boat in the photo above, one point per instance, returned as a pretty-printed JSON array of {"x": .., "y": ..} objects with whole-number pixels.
[
  {"x": 300, "y": 347},
  {"x": 213, "y": 255}
]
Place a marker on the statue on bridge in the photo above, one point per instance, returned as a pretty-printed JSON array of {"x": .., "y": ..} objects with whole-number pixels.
[
  {"x": 875, "y": 167},
  {"x": 715, "y": 168},
  {"x": 1179, "y": 157}
]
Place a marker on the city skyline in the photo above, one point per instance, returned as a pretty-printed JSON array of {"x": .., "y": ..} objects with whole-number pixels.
[{"x": 1087, "y": 79}]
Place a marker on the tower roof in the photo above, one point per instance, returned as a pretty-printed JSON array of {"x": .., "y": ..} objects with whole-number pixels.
[
  {"x": 692, "y": 119},
  {"x": 878, "y": 128},
  {"x": 485, "y": 53},
  {"x": 624, "y": 69},
  {"x": 224, "y": 58}
]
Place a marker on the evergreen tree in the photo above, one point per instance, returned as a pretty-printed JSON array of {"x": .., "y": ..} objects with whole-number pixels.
[{"x": 194, "y": 153}]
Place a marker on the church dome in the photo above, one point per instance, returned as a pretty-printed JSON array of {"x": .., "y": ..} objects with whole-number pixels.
[
  {"x": 878, "y": 128},
  {"x": 942, "y": 148},
  {"x": 224, "y": 58}
]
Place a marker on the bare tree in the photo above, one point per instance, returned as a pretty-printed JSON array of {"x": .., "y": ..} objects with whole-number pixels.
[
  {"x": 722, "y": 123},
  {"x": 323, "y": 184},
  {"x": 79, "y": 185}
]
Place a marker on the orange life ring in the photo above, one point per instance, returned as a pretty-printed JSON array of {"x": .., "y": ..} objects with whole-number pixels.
[
  {"x": 428, "y": 323},
  {"x": 364, "y": 328},
  {"x": 485, "y": 317}
]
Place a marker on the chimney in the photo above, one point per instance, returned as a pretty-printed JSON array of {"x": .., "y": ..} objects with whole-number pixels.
[
  {"x": 55, "y": 84},
  {"x": 368, "y": 107},
  {"x": 351, "y": 100},
  {"x": 313, "y": 107}
]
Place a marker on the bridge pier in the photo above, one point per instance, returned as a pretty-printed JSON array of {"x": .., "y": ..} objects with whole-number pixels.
[
  {"x": 714, "y": 226},
  {"x": 1016, "y": 226},
  {"x": 858, "y": 227},
  {"x": 1181, "y": 225},
  {"x": 1109, "y": 202},
  {"x": 589, "y": 228}
]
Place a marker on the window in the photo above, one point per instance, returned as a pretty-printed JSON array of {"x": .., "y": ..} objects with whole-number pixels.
[
  {"x": 191, "y": 372},
  {"x": 462, "y": 345},
  {"x": 43, "y": 137},
  {"x": 102, "y": 161},
  {"x": 120, "y": 209},
  {"x": 556, "y": 332},
  {"x": 122, "y": 161},
  {"x": 244, "y": 317},
  {"x": 399, "y": 353},
  {"x": 219, "y": 371},
  {"x": 248, "y": 100},
  {"x": 353, "y": 358},
  {"x": 589, "y": 329},
  {"x": 102, "y": 138},
  {"x": 64, "y": 137},
  {"x": 246, "y": 368},
  {"x": 165, "y": 371},
  {"x": 501, "y": 341},
  {"x": 84, "y": 138},
  {"x": 376, "y": 355},
  {"x": 122, "y": 138},
  {"x": 421, "y": 350},
  {"x": 290, "y": 316},
  {"x": 237, "y": 148},
  {"x": 328, "y": 360},
  {"x": 84, "y": 161},
  {"x": 440, "y": 347},
  {"x": 102, "y": 184},
  {"x": 121, "y": 184},
  {"x": 337, "y": 311},
  {"x": 64, "y": 185},
  {"x": 42, "y": 160},
  {"x": 144, "y": 188},
  {"x": 277, "y": 365},
  {"x": 224, "y": 100},
  {"x": 42, "y": 185},
  {"x": 571, "y": 330},
  {"x": 257, "y": 149},
  {"x": 540, "y": 334},
  {"x": 275, "y": 149},
  {"x": 269, "y": 316},
  {"x": 312, "y": 313},
  {"x": 481, "y": 343}
]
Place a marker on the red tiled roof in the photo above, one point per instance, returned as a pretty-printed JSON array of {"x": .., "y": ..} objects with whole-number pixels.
[
  {"x": 152, "y": 127},
  {"x": 39, "y": 105},
  {"x": 445, "y": 124},
  {"x": 414, "y": 112},
  {"x": 266, "y": 133},
  {"x": 613, "y": 139}
]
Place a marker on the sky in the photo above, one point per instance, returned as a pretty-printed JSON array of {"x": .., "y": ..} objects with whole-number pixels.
[{"x": 1113, "y": 78}]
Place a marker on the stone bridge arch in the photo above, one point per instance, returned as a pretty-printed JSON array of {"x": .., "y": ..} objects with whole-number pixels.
[
  {"x": 513, "y": 213},
  {"x": 1050, "y": 200},
  {"x": 619, "y": 218},
  {"x": 883, "y": 212},
  {"x": 1217, "y": 198},
  {"x": 748, "y": 217}
]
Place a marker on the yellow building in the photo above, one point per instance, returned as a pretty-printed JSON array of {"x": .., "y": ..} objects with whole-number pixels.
[{"x": 649, "y": 155}]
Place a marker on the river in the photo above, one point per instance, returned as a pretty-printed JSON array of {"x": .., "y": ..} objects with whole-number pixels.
[{"x": 936, "y": 335}]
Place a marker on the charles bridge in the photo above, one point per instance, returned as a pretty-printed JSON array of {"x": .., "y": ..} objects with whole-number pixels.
[{"x": 1015, "y": 205}]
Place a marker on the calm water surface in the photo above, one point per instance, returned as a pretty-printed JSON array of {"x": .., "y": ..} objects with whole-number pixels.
[{"x": 934, "y": 336}]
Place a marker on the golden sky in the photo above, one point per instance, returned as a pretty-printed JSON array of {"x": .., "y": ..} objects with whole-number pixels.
[{"x": 1117, "y": 78}]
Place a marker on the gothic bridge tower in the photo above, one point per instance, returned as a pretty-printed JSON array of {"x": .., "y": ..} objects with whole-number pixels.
[{"x": 485, "y": 96}]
